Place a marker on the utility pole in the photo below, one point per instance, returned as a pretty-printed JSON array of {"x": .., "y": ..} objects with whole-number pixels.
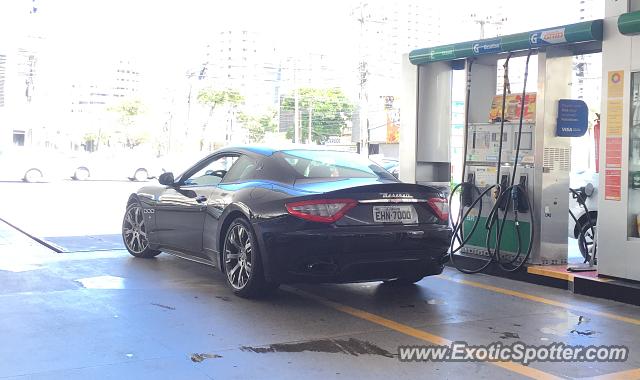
[
  {"x": 310, "y": 113},
  {"x": 487, "y": 20},
  {"x": 364, "y": 19},
  {"x": 363, "y": 96},
  {"x": 296, "y": 117},
  {"x": 364, "y": 110},
  {"x": 296, "y": 105}
]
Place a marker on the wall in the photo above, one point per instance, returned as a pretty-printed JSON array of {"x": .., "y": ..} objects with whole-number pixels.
[
  {"x": 408, "y": 121},
  {"x": 618, "y": 255}
]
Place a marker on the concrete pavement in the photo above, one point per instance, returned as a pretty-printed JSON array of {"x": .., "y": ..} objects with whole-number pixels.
[
  {"x": 105, "y": 314},
  {"x": 66, "y": 208}
]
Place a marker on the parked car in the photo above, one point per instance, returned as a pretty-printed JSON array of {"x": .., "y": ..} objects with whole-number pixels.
[
  {"x": 265, "y": 216},
  {"x": 389, "y": 164},
  {"x": 394, "y": 168},
  {"x": 116, "y": 165},
  {"x": 32, "y": 165}
]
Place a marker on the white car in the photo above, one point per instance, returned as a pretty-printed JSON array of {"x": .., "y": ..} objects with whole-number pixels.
[
  {"x": 116, "y": 165},
  {"x": 32, "y": 164}
]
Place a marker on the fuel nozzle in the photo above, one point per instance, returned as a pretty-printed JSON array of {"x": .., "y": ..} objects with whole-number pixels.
[
  {"x": 495, "y": 193},
  {"x": 517, "y": 195},
  {"x": 467, "y": 190},
  {"x": 515, "y": 198},
  {"x": 504, "y": 184}
]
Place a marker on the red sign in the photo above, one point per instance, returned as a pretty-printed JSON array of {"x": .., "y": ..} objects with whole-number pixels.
[
  {"x": 596, "y": 136},
  {"x": 614, "y": 152},
  {"x": 612, "y": 184}
]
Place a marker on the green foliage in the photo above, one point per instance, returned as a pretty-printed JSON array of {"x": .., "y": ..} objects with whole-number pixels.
[
  {"x": 330, "y": 110},
  {"x": 258, "y": 126},
  {"x": 129, "y": 112},
  {"x": 214, "y": 98}
]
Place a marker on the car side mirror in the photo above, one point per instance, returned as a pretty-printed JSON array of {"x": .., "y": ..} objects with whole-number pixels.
[{"x": 166, "y": 179}]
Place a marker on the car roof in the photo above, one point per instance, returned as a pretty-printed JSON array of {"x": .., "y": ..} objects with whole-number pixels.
[{"x": 268, "y": 150}]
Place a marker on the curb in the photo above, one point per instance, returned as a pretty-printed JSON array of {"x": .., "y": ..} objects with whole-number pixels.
[{"x": 51, "y": 246}]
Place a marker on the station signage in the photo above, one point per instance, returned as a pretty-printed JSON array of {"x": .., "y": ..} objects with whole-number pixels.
[
  {"x": 487, "y": 46},
  {"x": 547, "y": 37},
  {"x": 513, "y": 108},
  {"x": 566, "y": 34},
  {"x": 442, "y": 53},
  {"x": 573, "y": 118},
  {"x": 613, "y": 147}
]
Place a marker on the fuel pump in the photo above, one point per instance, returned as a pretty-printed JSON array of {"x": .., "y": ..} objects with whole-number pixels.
[
  {"x": 508, "y": 196},
  {"x": 512, "y": 197}
]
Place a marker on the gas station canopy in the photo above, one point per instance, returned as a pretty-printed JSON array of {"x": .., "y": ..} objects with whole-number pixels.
[
  {"x": 588, "y": 31},
  {"x": 629, "y": 23}
]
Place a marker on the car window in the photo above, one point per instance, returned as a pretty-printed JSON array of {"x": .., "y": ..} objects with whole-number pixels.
[
  {"x": 332, "y": 164},
  {"x": 243, "y": 169},
  {"x": 212, "y": 173}
]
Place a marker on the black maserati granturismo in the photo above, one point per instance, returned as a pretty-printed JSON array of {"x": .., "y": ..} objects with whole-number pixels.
[{"x": 268, "y": 216}]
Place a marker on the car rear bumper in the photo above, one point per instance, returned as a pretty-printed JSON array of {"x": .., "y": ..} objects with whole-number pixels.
[{"x": 350, "y": 254}]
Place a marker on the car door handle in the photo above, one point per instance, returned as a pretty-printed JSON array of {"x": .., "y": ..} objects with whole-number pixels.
[{"x": 201, "y": 198}]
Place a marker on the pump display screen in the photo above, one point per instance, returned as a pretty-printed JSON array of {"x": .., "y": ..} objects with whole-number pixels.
[
  {"x": 494, "y": 137},
  {"x": 526, "y": 143},
  {"x": 481, "y": 140}
]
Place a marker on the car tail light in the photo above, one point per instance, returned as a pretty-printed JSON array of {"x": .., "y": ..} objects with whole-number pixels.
[
  {"x": 441, "y": 207},
  {"x": 321, "y": 210}
]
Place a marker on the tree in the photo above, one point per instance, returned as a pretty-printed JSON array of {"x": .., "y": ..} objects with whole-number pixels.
[
  {"x": 129, "y": 112},
  {"x": 258, "y": 126},
  {"x": 213, "y": 99},
  {"x": 330, "y": 110}
]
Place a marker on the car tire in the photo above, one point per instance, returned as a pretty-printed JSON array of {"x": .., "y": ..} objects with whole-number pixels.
[
  {"x": 140, "y": 175},
  {"x": 242, "y": 261},
  {"x": 33, "y": 175},
  {"x": 582, "y": 220},
  {"x": 403, "y": 281},
  {"x": 134, "y": 232},
  {"x": 586, "y": 241},
  {"x": 81, "y": 174}
]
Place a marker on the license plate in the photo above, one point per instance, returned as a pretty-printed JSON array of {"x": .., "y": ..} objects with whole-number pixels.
[{"x": 395, "y": 214}]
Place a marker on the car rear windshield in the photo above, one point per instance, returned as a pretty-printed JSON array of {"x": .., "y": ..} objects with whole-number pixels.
[{"x": 332, "y": 164}]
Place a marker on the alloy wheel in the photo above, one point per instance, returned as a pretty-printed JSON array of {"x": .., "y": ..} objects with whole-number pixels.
[
  {"x": 134, "y": 231},
  {"x": 33, "y": 175},
  {"x": 141, "y": 175},
  {"x": 586, "y": 241},
  {"x": 238, "y": 256},
  {"x": 81, "y": 174}
]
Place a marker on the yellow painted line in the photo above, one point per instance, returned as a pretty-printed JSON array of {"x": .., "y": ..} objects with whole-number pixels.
[
  {"x": 632, "y": 374},
  {"x": 415, "y": 333},
  {"x": 543, "y": 300},
  {"x": 550, "y": 273},
  {"x": 541, "y": 270}
]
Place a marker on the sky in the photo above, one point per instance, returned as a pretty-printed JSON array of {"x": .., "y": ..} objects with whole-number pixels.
[
  {"x": 164, "y": 33},
  {"x": 166, "y": 37},
  {"x": 175, "y": 29}
]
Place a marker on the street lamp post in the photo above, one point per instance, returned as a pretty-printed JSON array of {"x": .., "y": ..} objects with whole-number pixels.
[{"x": 486, "y": 20}]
